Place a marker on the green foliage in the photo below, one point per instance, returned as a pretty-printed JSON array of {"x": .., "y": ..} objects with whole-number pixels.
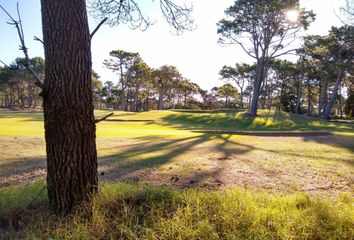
[
  {"x": 334, "y": 51},
  {"x": 228, "y": 92},
  {"x": 131, "y": 211},
  {"x": 264, "y": 23}
]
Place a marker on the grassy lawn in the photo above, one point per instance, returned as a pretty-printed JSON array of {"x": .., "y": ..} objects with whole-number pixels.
[{"x": 265, "y": 187}]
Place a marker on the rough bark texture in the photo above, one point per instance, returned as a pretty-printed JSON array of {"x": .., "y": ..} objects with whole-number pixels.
[{"x": 68, "y": 105}]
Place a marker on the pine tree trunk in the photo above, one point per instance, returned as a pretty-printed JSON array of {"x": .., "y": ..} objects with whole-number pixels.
[
  {"x": 241, "y": 99},
  {"x": 124, "y": 108},
  {"x": 68, "y": 105},
  {"x": 298, "y": 97},
  {"x": 308, "y": 97},
  {"x": 256, "y": 88},
  {"x": 329, "y": 106},
  {"x": 323, "y": 97},
  {"x": 160, "y": 102}
]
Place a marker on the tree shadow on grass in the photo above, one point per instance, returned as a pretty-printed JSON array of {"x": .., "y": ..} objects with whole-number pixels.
[
  {"x": 239, "y": 121},
  {"x": 153, "y": 152},
  {"x": 158, "y": 151},
  {"x": 341, "y": 141},
  {"x": 27, "y": 116},
  {"x": 17, "y": 171}
]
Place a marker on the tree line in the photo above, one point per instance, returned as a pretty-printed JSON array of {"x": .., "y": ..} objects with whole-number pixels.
[{"x": 318, "y": 84}]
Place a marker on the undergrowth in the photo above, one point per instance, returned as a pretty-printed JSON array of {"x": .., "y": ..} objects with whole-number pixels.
[{"x": 136, "y": 211}]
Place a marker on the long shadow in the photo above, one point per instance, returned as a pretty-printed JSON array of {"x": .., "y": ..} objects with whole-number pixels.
[
  {"x": 238, "y": 121},
  {"x": 342, "y": 141},
  {"x": 132, "y": 159},
  {"x": 29, "y": 116},
  {"x": 19, "y": 171},
  {"x": 153, "y": 152},
  {"x": 22, "y": 166}
]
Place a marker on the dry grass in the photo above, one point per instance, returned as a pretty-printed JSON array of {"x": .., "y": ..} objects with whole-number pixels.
[{"x": 321, "y": 165}]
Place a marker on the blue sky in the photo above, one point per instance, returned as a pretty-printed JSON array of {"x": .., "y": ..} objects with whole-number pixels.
[{"x": 196, "y": 54}]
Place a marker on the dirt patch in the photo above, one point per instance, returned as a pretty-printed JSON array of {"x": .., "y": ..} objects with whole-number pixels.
[{"x": 267, "y": 134}]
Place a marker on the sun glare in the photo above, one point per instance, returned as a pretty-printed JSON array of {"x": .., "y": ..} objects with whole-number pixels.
[{"x": 292, "y": 15}]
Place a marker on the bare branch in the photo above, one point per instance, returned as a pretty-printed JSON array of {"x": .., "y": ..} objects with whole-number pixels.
[
  {"x": 104, "y": 118},
  {"x": 18, "y": 24},
  {"x": 221, "y": 41},
  {"x": 283, "y": 53},
  {"x": 129, "y": 12},
  {"x": 38, "y": 39},
  {"x": 4, "y": 64},
  {"x": 98, "y": 27},
  {"x": 179, "y": 17}
]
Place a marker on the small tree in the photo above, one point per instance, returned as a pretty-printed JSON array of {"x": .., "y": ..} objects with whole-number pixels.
[
  {"x": 164, "y": 78},
  {"x": 120, "y": 62},
  {"x": 227, "y": 91},
  {"x": 241, "y": 74},
  {"x": 270, "y": 26}
]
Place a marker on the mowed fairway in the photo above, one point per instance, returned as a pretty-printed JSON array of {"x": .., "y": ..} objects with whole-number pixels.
[{"x": 162, "y": 148}]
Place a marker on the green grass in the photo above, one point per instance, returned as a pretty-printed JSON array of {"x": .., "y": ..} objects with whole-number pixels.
[
  {"x": 174, "y": 124},
  {"x": 134, "y": 211},
  {"x": 272, "y": 187}
]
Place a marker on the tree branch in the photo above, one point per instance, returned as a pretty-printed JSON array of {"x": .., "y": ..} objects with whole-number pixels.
[
  {"x": 4, "y": 64},
  {"x": 18, "y": 24},
  {"x": 104, "y": 118},
  {"x": 98, "y": 27},
  {"x": 283, "y": 53},
  {"x": 38, "y": 39}
]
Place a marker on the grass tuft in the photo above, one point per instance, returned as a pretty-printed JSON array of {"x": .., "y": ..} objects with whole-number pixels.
[{"x": 135, "y": 211}]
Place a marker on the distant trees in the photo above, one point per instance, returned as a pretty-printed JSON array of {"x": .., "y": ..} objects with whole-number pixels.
[
  {"x": 333, "y": 57},
  {"x": 144, "y": 88},
  {"x": 17, "y": 88},
  {"x": 141, "y": 88},
  {"x": 268, "y": 29},
  {"x": 241, "y": 74},
  {"x": 120, "y": 62},
  {"x": 228, "y": 92}
]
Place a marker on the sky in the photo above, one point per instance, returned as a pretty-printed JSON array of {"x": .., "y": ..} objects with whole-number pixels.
[{"x": 196, "y": 54}]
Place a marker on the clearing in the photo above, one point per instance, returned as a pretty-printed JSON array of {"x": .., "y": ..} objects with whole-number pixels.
[{"x": 186, "y": 149}]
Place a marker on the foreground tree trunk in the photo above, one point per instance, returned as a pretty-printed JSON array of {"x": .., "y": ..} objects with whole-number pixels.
[{"x": 68, "y": 105}]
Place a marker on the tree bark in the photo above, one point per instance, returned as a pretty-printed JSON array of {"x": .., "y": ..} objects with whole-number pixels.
[
  {"x": 160, "y": 101},
  {"x": 323, "y": 97},
  {"x": 257, "y": 88},
  {"x": 308, "y": 97},
  {"x": 298, "y": 97},
  {"x": 69, "y": 122},
  {"x": 340, "y": 101},
  {"x": 329, "y": 106},
  {"x": 124, "y": 107}
]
